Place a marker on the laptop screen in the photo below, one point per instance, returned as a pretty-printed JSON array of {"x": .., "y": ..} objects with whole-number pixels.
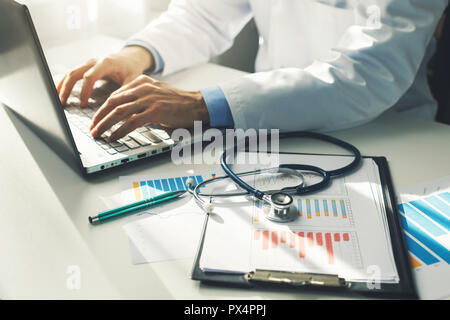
[{"x": 26, "y": 85}]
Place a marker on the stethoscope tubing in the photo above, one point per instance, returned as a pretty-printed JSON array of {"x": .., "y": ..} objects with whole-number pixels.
[
  {"x": 326, "y": 175},
  {"x": 243, "y": 174}
]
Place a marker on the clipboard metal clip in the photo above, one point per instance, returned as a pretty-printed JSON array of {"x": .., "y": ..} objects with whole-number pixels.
[{"x": 295, "y": 278}]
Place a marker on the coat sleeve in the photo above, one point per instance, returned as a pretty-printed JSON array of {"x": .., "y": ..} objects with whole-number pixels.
[
  {"x": 193, "y": 31},
  {"x": 366, "y": 73}
]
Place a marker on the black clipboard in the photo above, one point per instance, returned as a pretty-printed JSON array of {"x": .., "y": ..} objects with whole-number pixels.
[{"x": 404, "y": 289}]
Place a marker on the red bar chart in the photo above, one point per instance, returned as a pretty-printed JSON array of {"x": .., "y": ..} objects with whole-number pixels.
[{"x": 335, "y": 249}]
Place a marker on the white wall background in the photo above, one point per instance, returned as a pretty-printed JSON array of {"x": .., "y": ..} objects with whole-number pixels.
[{"x": 61, "y": 21}]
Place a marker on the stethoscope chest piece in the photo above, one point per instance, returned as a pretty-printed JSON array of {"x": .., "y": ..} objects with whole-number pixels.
[{"x": 279, "y": 207}]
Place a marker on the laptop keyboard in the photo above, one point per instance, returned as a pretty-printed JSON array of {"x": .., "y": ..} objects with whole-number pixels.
[
  {"x": 82, "y": 119},
  {"x": 141, "y": 137}
]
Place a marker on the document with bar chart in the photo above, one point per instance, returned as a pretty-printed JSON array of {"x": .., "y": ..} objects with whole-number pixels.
[
  {"x": 166, "y": 232},
  {"x": 341, "y": 230},
  {"x": 425, "y": 215}
]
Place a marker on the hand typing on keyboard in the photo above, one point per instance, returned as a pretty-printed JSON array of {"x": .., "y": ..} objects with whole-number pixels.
[
  {"x": 122, "y": 68},
  {"x": 145, "y": 101},
  {"x": 140, "y": 101}
]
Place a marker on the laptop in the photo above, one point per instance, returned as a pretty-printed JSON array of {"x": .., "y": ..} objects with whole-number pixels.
[{"x": 27, "y": 87}]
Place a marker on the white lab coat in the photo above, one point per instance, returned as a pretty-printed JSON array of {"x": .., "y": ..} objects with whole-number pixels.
[{"x": 322, "y": 64}]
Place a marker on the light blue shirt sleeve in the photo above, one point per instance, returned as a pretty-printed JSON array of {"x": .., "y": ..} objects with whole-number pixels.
[
  {"x": 159, "y": 62},
  {"x": 218, "y": 107}
]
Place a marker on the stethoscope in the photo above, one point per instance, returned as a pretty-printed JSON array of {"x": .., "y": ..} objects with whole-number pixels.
[{"x": 279, "y": 204}]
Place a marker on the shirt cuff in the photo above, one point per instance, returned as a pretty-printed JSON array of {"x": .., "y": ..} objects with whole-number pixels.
[
  {"x": 159, "y": 62},
  {"x": 218, "y": 107}
]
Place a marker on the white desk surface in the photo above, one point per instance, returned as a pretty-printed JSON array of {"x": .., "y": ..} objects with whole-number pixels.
[{"x": 45, "y": 205}]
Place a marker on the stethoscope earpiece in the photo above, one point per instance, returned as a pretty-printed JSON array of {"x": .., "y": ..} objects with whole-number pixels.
[{"x": 208, "y": 207}]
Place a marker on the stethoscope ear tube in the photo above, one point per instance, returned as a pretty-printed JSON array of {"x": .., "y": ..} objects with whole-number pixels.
[
  {"x": 320, "y": 136},
  {"x": 302, "y": 189},
  {"x": 223, "y": 162},
  {"x": 326, "y": 175}
]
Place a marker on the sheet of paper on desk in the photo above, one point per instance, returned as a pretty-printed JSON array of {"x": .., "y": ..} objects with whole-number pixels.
[
  {"x": 341, "y": 230},
  {"x": 425, "y": 211},
  {"x": 170, "y": 231},
  {"x": 165, "y": 236}
]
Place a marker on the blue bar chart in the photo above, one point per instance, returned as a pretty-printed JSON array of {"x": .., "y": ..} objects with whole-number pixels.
[
  {"x": 316, "y": 212},
  {"x": 426, "y": 223},
  {"x": 320, "y": 208},
  {"x": 151, "y": 188},
  {"x": 324, "y": 211}
]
